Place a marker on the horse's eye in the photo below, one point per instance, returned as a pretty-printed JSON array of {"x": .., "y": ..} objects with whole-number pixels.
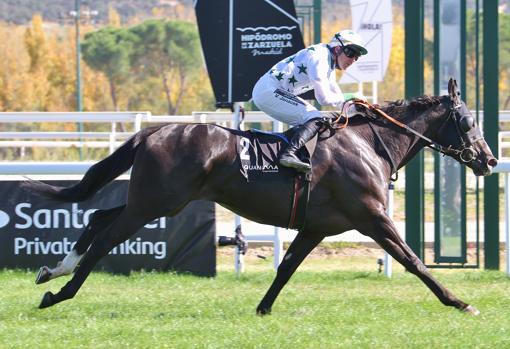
[{"x": 467, "y": 123}]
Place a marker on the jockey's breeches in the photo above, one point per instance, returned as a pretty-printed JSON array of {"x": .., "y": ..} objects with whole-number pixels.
[{"x": 281, "y": 104}]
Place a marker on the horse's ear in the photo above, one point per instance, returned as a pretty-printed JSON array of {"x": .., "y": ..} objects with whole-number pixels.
[{"x": 451, "y": 88}]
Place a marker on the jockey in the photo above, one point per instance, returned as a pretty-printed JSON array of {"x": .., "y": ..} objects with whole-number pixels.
[{"x": 275, "y": 93}]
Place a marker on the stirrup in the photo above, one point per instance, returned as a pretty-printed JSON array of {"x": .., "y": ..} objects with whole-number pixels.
[{"x": 296, "y": 164}]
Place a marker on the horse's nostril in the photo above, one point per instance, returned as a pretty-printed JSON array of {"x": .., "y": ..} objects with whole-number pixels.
[{"x": 492, "y": 162}]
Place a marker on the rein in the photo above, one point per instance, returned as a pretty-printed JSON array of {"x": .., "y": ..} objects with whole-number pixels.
[{"x": 466, "y": 154}]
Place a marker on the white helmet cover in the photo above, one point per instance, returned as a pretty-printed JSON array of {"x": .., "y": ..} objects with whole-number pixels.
[{"x": 348, "y": 37}]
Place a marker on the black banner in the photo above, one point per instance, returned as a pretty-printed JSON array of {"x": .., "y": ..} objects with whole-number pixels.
[
  {"x": 242, "y": 39},
  {"x": 35, "y": 232}
]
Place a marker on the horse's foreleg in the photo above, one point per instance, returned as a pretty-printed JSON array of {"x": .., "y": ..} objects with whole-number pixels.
[
  {"x": 98, "y": 221},
  {"x": 386, "y": 235},
  {"x": 298, "y": 250}
]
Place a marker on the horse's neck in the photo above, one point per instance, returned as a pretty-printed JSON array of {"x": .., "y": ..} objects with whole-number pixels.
[{"x": 402, "y": 144}]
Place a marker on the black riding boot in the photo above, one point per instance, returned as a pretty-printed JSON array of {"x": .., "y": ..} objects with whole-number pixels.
[{"x": 302, "y": 135}]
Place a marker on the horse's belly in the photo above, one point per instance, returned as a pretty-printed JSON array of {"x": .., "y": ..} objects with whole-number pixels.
[{"x": 260, "y": 202}]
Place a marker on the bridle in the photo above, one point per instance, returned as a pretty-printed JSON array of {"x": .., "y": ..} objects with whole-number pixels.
[{"x": 463, "y": 125}]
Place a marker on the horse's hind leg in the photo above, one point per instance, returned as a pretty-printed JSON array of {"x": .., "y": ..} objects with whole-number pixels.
[
  {"x": 99, "y": 220},
  {"x": 385, "y": 234},
  {"x": 298, "y": 250},
  {"x": 125, "y": 225}
]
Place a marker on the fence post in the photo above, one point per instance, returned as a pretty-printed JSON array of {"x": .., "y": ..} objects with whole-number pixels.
[
  {"x": 388, "y": 260},
  {"x": 138, "y": 122},
  {"x": 278, "y": 243},
  {"x": 507, "y": 224},
  {"x": 112, "y": 137}
]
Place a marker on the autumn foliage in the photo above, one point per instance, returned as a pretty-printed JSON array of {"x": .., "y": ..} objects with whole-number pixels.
[{"x": 156, "y": 65}]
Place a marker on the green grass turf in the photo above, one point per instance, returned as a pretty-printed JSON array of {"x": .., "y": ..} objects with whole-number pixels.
[{"x": 321, "y": 307}]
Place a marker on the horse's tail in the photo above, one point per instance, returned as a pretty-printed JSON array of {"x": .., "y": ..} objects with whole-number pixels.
[{"x": 97, "y": 176}]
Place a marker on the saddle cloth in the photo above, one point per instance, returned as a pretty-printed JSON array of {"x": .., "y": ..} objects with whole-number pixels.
[{"x": 258, "y": 154}]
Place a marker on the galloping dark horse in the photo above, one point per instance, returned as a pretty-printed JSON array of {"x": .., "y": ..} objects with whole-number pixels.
[{"x": 177, "y": 163}]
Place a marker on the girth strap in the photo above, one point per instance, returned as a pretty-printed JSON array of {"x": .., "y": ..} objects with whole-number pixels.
[
  {"x": 301, "y": 192},
  {"x": 299, "y": 203}
]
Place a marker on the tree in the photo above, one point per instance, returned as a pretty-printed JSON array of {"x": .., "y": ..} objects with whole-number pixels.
[
  {"x": 113, "y": 17},
  {"x": 504, "y": 58},
  {"x": 184, "y": 51},
  {"x": 35, "y": 42},
  {"x": 109, "y": 50},
  {"x": 169, "y": 50}
]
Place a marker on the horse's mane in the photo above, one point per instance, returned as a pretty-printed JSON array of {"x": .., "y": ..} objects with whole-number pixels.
[{"x": 399, "y": 107}]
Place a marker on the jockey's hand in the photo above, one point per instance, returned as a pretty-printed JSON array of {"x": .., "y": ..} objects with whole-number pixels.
[{"x": 355, "y": 95}]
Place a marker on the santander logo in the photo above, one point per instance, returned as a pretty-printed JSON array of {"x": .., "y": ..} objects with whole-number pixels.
[{"x": 4, "y": 219}]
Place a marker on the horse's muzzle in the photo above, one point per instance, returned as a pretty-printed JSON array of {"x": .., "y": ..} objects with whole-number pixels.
[
  {"x": 483, "y": 167},
  {"x": 486, "y": 170}
]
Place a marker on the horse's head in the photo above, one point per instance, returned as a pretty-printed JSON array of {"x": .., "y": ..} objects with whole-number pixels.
[{"x": 461, "y": 137}]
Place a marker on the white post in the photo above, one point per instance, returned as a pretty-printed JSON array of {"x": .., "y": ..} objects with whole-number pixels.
[
  {"x": 138, "y": 122},
  {"x": 507, "y": 222},
  {"x": 238, "y": 123},
  {"x": 387, "y": 258},
  {"x": 238, "y": 258},
  {"x": 278, "y": 248},
  {"x": 201, "y": 118},
  {"x": 278, "y": 242},
  {"x": 388, "y": 261},
  {"x": 112, "y": 137},
  {"x": 375, "y": 95}
]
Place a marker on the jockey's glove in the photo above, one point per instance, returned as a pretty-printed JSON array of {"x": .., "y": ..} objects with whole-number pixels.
[{"x": 354, "y": 95}]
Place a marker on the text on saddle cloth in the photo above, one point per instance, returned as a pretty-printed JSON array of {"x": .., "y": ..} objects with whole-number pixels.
[{"x": 258, "y": 153}]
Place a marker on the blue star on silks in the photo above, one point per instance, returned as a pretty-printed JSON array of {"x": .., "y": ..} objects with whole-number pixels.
[
  {"x": 279, "y": 76},
  {"x": 290, "y": 59},
  {"x": 292, "y": 80},
  {"x": 302, "y": 69},
  {"x": 311, "y": 48}
]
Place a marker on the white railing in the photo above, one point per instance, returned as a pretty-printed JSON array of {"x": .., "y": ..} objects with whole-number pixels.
[
  {"x": 44, "y": 167},
  {"x": 135, "y": 117},
  {"x": 114, "y": 139},
  {"x": 53, "y": 139}
]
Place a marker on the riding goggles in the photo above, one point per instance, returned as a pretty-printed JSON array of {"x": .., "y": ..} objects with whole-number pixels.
[{"x": 350, "y": 52}]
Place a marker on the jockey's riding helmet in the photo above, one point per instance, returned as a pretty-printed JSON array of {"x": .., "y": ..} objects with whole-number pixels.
[{"x": 348, "y": 38}]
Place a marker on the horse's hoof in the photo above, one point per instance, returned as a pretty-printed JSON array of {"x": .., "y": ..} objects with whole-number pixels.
[
  {"x": 43, "y": 275},
  {"x": 263, "y": 311},
  {"x": 47, "y": 300},
  {"x": 471, "y": 310}
]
